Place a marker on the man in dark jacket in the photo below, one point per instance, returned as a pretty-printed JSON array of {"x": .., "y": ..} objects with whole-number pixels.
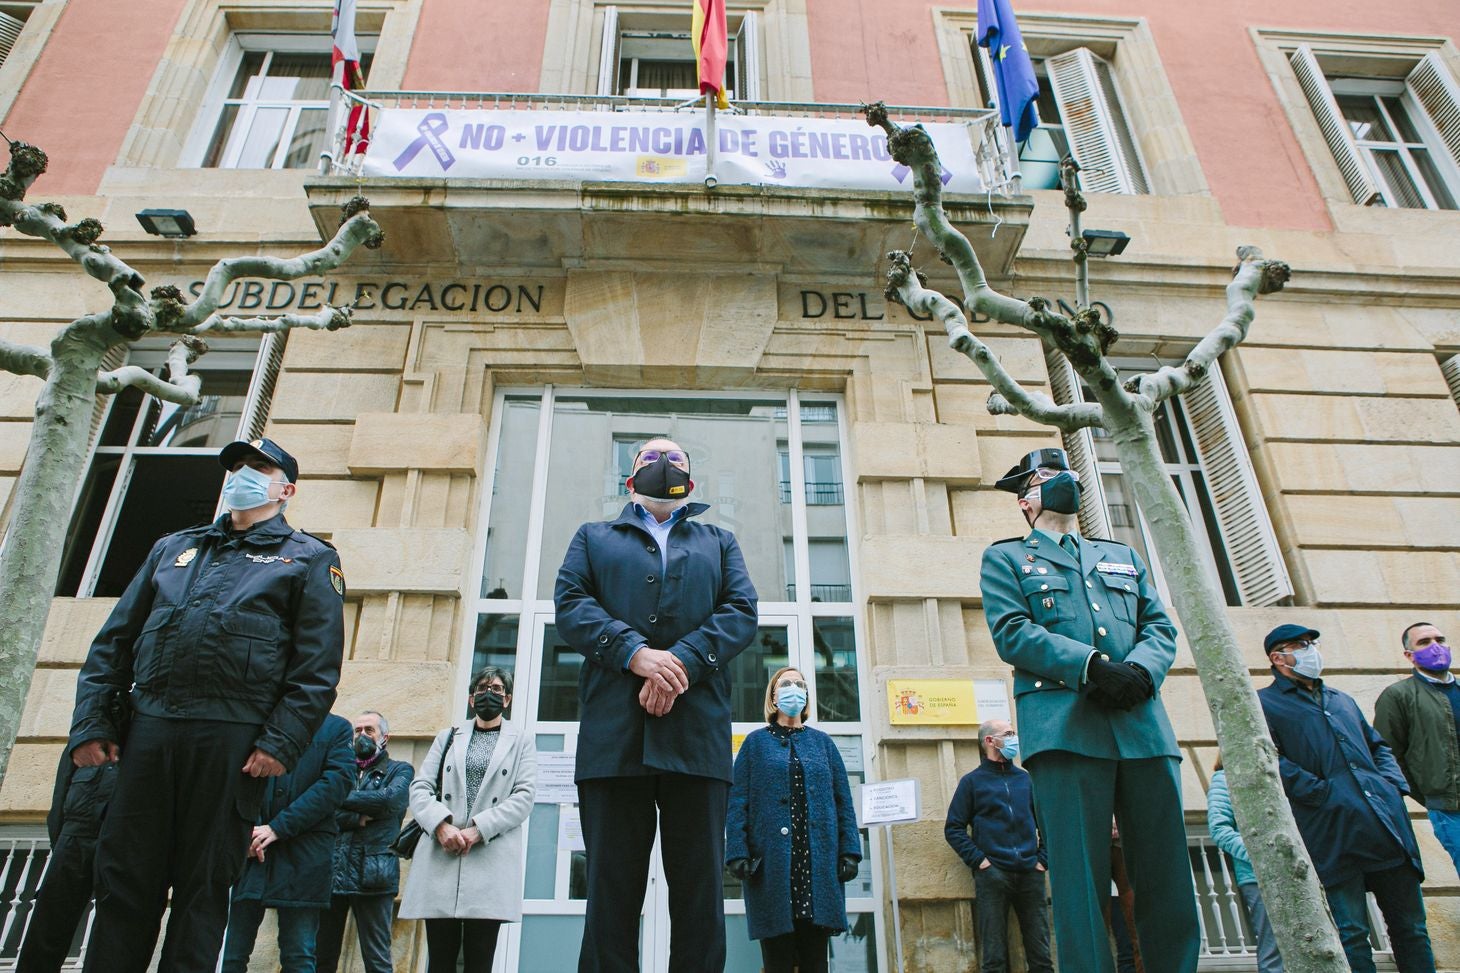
[
  {"x": 992, "y": 827},
  {"x": 657, "y": 603},
  {"x": 290, "y": 856},
  {"x": 78, "y": 806},
  {"x": 1419, "y": 718},
  {"x": 1348, "y": 800},
  {"x": 229, "y": 639},
  {"x": 366, "y": 871}
]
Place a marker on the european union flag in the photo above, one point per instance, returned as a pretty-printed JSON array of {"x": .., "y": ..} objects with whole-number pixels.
[{"x": 1013, "y": 71}]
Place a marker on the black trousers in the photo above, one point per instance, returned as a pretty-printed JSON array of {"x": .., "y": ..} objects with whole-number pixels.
[
  {"x": 618, "y": 832},
  {"x": 802, "y": 950},
  {"x": 60, "y": 905},
  {"x": 180, "y": 818},
  {"x": 445, "y": 939}
]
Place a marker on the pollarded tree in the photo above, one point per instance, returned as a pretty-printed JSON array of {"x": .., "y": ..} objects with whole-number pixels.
[
  {"x": 71, "y": 369},
  {"x": 1125, "y": 410}
]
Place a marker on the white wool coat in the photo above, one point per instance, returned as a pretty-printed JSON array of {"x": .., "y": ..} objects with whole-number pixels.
[{"x": 486, "y": 882}]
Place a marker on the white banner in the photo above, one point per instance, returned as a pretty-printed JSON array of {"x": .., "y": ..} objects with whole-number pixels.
[{"x": 664, "y": 147}]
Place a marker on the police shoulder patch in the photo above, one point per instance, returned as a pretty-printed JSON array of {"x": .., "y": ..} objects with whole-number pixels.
[{"x": 337, "y": 580}]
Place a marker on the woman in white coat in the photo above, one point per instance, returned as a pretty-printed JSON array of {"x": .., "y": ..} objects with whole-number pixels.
[{"x": 466, "y": 876}]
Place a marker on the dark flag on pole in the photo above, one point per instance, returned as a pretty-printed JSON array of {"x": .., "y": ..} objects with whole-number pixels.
[{"x": 1013, "y": 71}]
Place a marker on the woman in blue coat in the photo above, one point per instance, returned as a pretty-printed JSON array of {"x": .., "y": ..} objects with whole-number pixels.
[{"x": 791, "y": 832}]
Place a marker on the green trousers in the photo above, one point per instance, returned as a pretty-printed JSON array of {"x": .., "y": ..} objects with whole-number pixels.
[{"x": 1074, "y": 798}]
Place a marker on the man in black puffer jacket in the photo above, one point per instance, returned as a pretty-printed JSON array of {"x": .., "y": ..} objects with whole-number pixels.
[
  {"x": 366, "y": 872},
  {"x": 290, "y": 853}
]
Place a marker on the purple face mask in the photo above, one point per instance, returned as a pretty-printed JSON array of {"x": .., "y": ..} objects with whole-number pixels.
[{"x": 1435, "y": 657}]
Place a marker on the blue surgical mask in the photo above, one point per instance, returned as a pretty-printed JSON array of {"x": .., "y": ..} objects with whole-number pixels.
[
  {"x": 247, "y": 489},
  {"x": 1010, "y": 748},
  {"x": 791, "y": 700}
]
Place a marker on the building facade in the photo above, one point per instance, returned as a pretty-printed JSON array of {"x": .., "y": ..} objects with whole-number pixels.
[{"x": 516, "y": 336}]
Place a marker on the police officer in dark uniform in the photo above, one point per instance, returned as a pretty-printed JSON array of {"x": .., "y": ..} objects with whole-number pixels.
[
  {"x": 229, "y": 639},
  {"x": 1090, "y": 642}
]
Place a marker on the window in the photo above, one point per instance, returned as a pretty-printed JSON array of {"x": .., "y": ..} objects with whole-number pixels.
[
  {"x": 1080, "y": 112},
  {"x": 652, "y": 56},
  {"x": 272, "y": 102},
  {"x": 1201, "y": 444},
  {"x": 154, "y": 468},
  {"x": 1450, "y": 368},
  {"x": 1395, "y": 136},
  {"x": 12, "y": 21}
]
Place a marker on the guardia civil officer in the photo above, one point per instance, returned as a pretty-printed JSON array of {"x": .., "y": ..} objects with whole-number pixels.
[
  {"x": 229, "y": 638},
  {"x": 658, "y": 604},
  {"x": 1090, "y": 643}
]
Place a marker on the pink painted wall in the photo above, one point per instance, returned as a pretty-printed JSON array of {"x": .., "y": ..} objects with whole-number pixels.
[
  {"x": 885, "y": 49},
  {"x": 478, "y": 45},
  {"x": 87, "y": 86}
]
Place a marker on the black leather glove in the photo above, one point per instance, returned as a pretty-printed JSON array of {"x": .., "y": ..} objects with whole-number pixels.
[
  {"x": 1117, "y": 685},
  {"x": 846, "y": 868},
  {"x": 739, "y": 868}
]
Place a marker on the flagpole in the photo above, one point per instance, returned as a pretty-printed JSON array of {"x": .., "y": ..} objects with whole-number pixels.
[
  {"x": 711, "y": 142},
  {"x": 332, "y": 120}
]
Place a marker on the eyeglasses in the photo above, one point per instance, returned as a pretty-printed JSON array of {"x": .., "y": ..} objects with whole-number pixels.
[
  {"x": 799, "y": 683},
  {"x": 673, "y": 455},
  {"x": 1301, "y": 644},
  {"x": 1046, "y": 473}
]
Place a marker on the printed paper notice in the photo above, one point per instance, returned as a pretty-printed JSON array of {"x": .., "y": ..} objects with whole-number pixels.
[
  {"x": 555, "y": 778},
  {"x": 570, "y": 829},
  {"x": 992, "y": 698},
  {"x": 890, "y": 802}
]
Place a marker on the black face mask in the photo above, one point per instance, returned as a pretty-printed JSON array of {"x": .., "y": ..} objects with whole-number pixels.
[
  {"x": 365, "y": 748},
  {"x": 661, "y": 480},
  {"x": 1060, "y": 494},
  {"x": 488, "y": 705}
]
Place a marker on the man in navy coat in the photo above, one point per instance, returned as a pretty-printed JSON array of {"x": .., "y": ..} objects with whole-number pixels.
[
  {"x": 1347, "y": 793},
  {"x": 658, "y": 603},
  {"x": 1090, "y": 642}
]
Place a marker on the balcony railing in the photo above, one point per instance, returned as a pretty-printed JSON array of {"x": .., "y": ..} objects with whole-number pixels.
[
  {"x": 993, "y": 162},
  {"x": 818, "y": 494}
]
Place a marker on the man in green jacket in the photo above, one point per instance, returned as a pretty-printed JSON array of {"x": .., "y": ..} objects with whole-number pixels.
[
  {"x": 1090, "y": 643},
  {"x": 1419, "y": 717}
]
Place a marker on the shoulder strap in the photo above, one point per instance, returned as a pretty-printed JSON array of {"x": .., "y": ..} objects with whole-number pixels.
[{"x": 441, "y": 767}]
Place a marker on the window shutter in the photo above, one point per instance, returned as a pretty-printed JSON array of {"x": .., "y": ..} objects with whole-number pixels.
[
  {"x": 1450, "y": 367},
  {"x": 261, "y": 388},
  {"x": 608, "y": 53},
  {"x": 1079, "y": 445},
  {"x": 115, "y": 358},
  {"x": 1335, "y": 130},
  {"x": 1435, "y": 88},
  {"x": 1093, "y": 117},
  {"x": 747, "y": 58},
  {"x": 1247, "y": 532},
  {"x": 10, "y": 28}
]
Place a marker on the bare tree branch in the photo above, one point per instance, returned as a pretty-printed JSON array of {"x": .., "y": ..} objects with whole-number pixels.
[
  {"x": 24, "y": 359},
  {"x": 356, "y": 228},
  {"x": 180, "y": 387},
  {"x": 1009, "y": 397},
  {"x": 326, "y": 318},
  {"x": 1252, "y": 276}
]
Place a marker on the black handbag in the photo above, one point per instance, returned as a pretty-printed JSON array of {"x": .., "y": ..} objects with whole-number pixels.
[{"x": 405, "y": 843}]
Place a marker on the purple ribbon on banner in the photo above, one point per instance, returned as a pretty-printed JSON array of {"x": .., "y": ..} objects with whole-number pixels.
[
  {"x": 432, "y": 127},
  {"x": 900, "y": 172}
]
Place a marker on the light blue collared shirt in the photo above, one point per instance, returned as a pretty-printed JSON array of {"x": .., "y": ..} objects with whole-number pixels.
[
  {"x": 1449, "y": 677},
  {"x": 660, "y": 531}
]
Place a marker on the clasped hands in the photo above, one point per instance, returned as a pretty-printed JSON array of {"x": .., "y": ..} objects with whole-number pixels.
[
  {"x": 665, "y": 677},
  {"x": 457, "y": 841},
  {"x": 1119, "y": 685}
]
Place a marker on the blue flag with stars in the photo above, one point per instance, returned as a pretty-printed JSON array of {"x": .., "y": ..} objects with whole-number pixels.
[{"x": 1013, "y": 71}]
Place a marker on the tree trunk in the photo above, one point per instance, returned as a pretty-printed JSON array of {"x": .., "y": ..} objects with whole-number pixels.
[
  {"x": 35, "y": 540},
  {"x": 1295, "y": 901}
]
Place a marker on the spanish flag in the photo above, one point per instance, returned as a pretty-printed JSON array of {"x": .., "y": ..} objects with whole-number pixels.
[{"x": 711, "y": 44}]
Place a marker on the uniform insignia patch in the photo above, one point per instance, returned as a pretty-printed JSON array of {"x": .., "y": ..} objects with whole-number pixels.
[
  {"x": 266, "y": 558},
  {"x": 185, "y": 558},
  {"x": 337, "y": 580},
  {"x": 1115, "y": 567},
  {"x": 1028, "y": 569},
  {"x": 1049, "y": 603},
  {"x": 1029, "y": 557}
]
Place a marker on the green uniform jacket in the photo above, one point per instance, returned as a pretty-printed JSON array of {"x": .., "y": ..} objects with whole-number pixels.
[
  {"x": 1048, "y": 613},
  {"x": 1414, "y": 717}
]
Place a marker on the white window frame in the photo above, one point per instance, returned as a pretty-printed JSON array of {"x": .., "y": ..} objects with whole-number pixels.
[
  {"x": 744, "y": 53},
  {"x": 1249, "y": 540},
  {"x": 1430, "y": 94},
  {"x": 1085, "y": 89},
  {"x": 264, "y": 364},
  {"x": 535, "y": 609},
  {"x": 200, "y": 140}
]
